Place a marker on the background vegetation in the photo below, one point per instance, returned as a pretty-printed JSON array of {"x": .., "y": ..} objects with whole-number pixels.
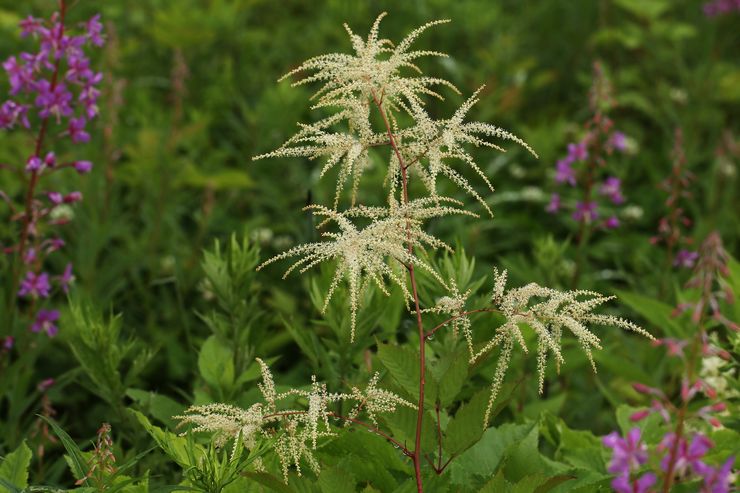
[{"x": 190, "y": 96}]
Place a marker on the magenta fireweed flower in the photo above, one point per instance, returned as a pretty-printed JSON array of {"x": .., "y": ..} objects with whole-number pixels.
[
  {"x": 612, "y": 222},
  {"x": 66, "y": 278},
  {"x": 612, "y": 188},
  {"x": 34, "y": 163},
  {"x": 685, "y": 258},
  {"x": 618, "y": 141},
  {"x": 12, "y": 113},
  {"x": 35, "y": 285},
  {"x": 8, "y": 343},
  {"x": 716, "y": 479},
  {"x": 564, "y": 173},
  {"x": 688, "y": 455},
  {"x": 721, "y": 7},
  {"x": 628, "y": 453},
  {"x": 577, "y": 152},
  {"x": 623, "y": 484},
  {"x": 46, "y": 322},
  {"x": 76, "y": 130},
  {"x": 554, "y": 204},
  {"x": 83, "y": 167},
  {"x": 586, "y": 212},
  {"x": 585, "y": 161},
  {"x": 53, "y": 87}
]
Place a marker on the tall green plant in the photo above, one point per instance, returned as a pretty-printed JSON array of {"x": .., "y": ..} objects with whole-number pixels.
[{"x": 379, "y": 96}]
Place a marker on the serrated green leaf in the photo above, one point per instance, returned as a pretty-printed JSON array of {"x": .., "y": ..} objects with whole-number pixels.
[
  {"x": 14, "y": 466},
  {"x": 403, "y": 365}
]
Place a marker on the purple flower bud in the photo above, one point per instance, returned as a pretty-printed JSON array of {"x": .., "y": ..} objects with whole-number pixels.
[
  {"x": 66, "y": 278},
  {"x": 50, "y": 160},
  {"x": 94, "y": 29},
  {"x": 554, "y": 204},
  {"x": 585, "y": 211},
  {"x": 72, "y": 197},
  {"x": 577, "y": 152},
  {"x": 612, "y": 222},
  {"x": 618, "y": 141},
  {"x": 29, "y": 256},
  {"x": 685, "y": 258},
  {"x": 34, "y": 163},
  {"x": 76, "y": 130},
  {"x": 45, "y": 384},
  {"x": 12, "y": 113},
  {"x": 55, "y": 198},
  {"x": 35, "y": 285},
  {"x": 564, "y": 172},
  {"x": 83, "y": 167},
  {"x": 30, "y": 25},
  {"x": 612, "y": 189},
  {"x": 46, "y": 321},
  {"x": 53, "y": 101}
]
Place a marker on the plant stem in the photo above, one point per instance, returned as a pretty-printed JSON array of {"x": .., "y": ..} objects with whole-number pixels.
[{"x": 417, "y": 454}]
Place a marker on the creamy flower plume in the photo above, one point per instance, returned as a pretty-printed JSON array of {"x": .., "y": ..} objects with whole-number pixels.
[
  {"x": 298, "y": 428},
  {"x": 371, "y": 254},
  {"x": 545, "y": 311}
]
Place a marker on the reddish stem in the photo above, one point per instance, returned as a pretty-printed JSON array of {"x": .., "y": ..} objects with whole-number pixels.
[{"x": 417, "y": 454}]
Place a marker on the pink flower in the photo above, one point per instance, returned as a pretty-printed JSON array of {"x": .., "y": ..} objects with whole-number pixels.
[
  {"x": 35, "y": 285},
  {"x": 46, "y": 321},
  {"x": 554, "y": 204},
  {"x": 585, "y": 211}
]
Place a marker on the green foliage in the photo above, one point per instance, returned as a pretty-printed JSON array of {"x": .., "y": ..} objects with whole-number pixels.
[{"x": 175, "y": 219}]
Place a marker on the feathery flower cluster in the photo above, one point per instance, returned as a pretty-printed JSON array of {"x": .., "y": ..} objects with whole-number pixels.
[
  {"x": 376, "y": 75},
  {"x": 721, "y": 7},
  {"x": 546, "y": 311},
  {"x": 298, "y": 429},
  {"x": 589, "y": 156},
  {"x": 670, "y": 227},
  {"x": 370, "y": 254},
  {"x": 53, "y": 91}
]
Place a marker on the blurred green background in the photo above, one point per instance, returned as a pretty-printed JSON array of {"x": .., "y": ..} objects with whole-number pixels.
[{"x": 190, "y": 96}]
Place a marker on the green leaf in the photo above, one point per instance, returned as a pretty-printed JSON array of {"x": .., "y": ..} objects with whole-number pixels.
[
  {"x": 466, "y": 427},
  {"x": 74, "y": 455},
  {"x": 403, "y": 365},
  {"x": 216, "y": 364},
  {"x": 484, "y": 458},
  {"x": 158, "y": 405},
  {"x": 333, "y": 479},
  {"x": 14, "y": 466},
  {"x": 654, "y": 311},
  {"x": 176, "y": 447},
  {"x": 451, "y": 371}
]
